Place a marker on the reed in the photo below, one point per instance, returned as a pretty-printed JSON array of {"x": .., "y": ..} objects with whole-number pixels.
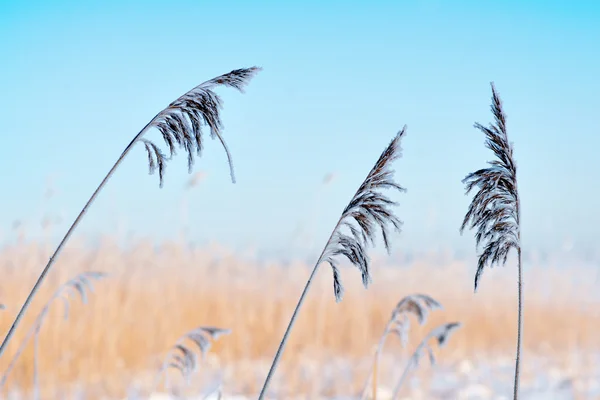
[
  {"x": 495, "y": 210},
  {"x": 367, "y": 211},
  {"x": 180, "y": 125},
  {"x": 78, "y": 287}
]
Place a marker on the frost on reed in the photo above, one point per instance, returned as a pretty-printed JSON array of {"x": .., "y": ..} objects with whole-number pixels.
[
  {"x": 183, "y": 356},
  {"x": 419, "y": 306},
  {"x": 367, "y": 211},
  {"x": 494, "y": 210},
  {"x": 78, "y": 286},
  {"x": 180, "y": 125}
]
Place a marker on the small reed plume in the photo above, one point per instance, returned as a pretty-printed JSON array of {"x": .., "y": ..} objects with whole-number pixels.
[
  {"x": 180, "y": 125},
  {"x": 183, "y": 356},
  {"x": 367, "y": 211},
  {"x": 78, "y": 286},
  {"x": 441, "y": 335},
  {"x": 417, "y": 305},
  {"x": 495, "y": 210}
]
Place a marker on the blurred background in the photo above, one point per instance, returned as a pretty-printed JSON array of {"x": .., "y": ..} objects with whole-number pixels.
[{"x": 79, "y": 80}]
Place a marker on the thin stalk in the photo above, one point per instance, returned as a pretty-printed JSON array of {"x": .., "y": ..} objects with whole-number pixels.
[
  {"x": 412, "y": 362},
  {"x": 36, "y": 381},
  {"x": 80, "y": 283},
  {"x": 520, "y": 299},
  {"x": 519, "y": 328},
  {"x": 398, "y": 386},
  {"x": 64, "y": 240},
  {"x": 368, "y": 209},
  {"x": 33, "y": 332},
  {"x": 286, "y": 335},
  {"x": 10, "y": 367},
  {"x": 375, "y": 368}
]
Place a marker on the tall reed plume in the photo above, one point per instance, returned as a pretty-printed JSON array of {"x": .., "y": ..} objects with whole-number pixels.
[
  {"x": 494, "y": 210},
  {"x": 367, "y": 211},
  {"x": 78, "y": 286},
  {"x": 180, "y": 125}
]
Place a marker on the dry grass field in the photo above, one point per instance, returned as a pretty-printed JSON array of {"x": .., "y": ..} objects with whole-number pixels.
[{"x": 154, "y": 294}]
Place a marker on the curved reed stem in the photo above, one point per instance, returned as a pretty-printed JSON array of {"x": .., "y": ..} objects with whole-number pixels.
[
  {"x": 81, "y": 284},
  {"x": 179, "y": 123},
  {"x": 292, "y": 322},
  {"x": 368, "y": 209},
  {"x": 64, "y": 240}
]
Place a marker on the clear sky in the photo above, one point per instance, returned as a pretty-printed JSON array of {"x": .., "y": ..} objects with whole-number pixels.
[{"x": 78, "y": 81}]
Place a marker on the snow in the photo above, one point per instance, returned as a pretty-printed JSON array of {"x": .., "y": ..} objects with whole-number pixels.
[{"x": 487, "y": 378}]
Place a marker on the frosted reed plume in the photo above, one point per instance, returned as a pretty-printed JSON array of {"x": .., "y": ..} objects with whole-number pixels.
[
  {"x": 180, "y": 125},
  {"x": 367, "y": 211},
  {"x": 495, "y": 210},
  {"x": 417, "y": 305},
  {"x": 183, "y": 356},
  {"x": 80, "y": 286}
]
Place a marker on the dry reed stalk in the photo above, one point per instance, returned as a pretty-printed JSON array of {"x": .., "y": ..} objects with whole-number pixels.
[
  {"x": 368, "y": 210},
  {"x": 80, "y": 285},
  {"x": 180, "y": 125},
  {"x": 495, "y": 210}
]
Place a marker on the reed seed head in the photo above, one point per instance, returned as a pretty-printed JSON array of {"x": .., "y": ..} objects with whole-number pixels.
[
  {"x": 494, "y": 210},
  {"x": 368, "y": 210},
  {"x": 181, "y": 123}
]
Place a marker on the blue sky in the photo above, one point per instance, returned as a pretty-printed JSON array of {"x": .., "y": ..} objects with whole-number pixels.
[{"x": 78, "y": 81}]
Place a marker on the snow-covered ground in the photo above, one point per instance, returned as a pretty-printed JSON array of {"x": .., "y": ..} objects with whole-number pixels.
[{"x": 484, "y": 379}]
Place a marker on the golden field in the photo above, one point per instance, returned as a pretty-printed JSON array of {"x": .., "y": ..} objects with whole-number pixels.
[{"x": 154, "y": 294}]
